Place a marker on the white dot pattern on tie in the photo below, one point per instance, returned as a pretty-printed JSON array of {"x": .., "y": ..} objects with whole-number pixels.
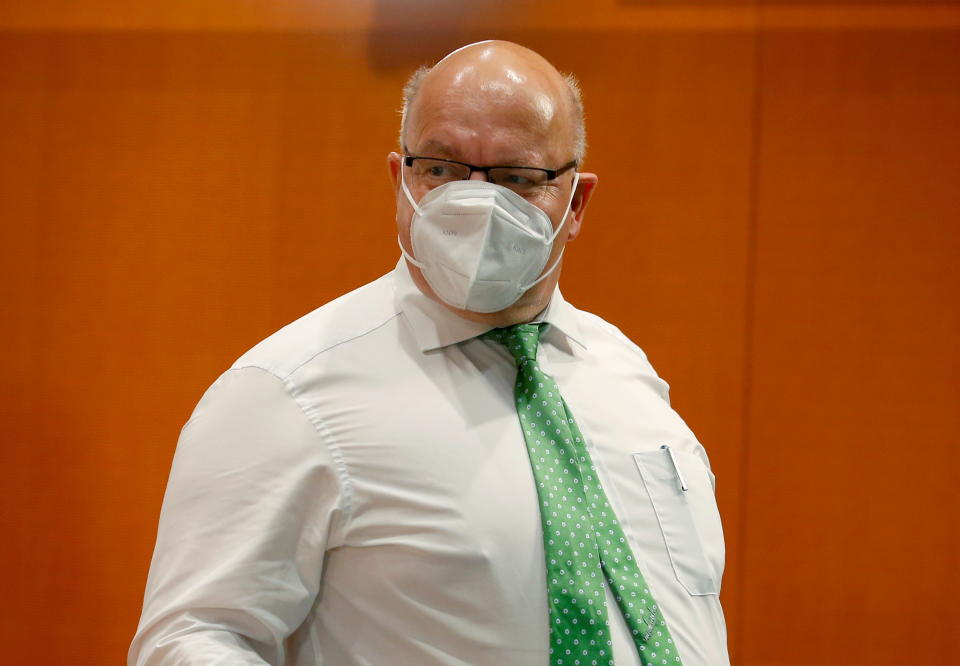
[{"x": 582, "y": 538}]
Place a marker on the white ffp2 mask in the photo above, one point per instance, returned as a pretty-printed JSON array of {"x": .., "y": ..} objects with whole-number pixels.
[{"x": 479, "y": 245}]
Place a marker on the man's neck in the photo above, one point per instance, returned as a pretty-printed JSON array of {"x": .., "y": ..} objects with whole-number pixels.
[{"x": 532, "y": 305}]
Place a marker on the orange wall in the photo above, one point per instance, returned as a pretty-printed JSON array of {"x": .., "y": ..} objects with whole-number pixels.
[{"x": 777, "y": 224}]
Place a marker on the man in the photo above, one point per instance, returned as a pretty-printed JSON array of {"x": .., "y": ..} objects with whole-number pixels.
[{"x": 450, "y": 465}]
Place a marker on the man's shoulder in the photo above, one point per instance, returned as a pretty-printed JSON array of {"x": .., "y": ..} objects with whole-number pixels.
[
  {"x": 596, "y": 329},
  {"x": 335, "y": 323},
  {"x": 614, "y": 347}
]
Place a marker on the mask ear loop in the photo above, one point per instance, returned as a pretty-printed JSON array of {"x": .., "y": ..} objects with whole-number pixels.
[
  {"x": 403, "y": 186},
  {"x": 573, "y": 192},
  {"x": 416, "y": 209}
]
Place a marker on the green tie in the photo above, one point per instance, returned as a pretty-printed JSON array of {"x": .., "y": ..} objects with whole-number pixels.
[{"x": 582, "y": 539}]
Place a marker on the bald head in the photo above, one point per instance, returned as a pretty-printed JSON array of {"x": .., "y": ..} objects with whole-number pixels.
[
  {"x": 503, "y": 79},
  {"x": 492, "y": 104}
]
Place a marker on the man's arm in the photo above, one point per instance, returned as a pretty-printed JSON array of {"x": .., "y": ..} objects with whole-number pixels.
[{"x": 253, "y": 502}]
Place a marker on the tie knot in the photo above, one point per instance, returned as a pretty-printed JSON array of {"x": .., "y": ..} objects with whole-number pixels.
[{"x": 520, "y": 340}]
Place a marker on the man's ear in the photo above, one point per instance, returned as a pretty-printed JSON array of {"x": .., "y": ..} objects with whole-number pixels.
[
  {"x": 578, "y": 206},
  {"x": 394, "y": 164}
]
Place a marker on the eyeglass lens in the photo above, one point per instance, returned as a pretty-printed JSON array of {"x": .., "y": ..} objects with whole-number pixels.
[{"x": 433, "y": 173}]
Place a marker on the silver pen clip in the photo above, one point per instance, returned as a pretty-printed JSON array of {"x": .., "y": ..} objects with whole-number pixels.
[{"x": 676, "y": 467}]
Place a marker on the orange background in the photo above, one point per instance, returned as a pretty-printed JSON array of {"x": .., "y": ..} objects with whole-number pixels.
[{"x": 777, "y": 224}]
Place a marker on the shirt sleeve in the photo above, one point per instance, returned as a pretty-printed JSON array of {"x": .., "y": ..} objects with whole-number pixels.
[{"x": 254, "y": 500}]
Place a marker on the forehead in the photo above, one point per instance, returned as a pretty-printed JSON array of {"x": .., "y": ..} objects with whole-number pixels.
[{"x": 489, "y": 125}]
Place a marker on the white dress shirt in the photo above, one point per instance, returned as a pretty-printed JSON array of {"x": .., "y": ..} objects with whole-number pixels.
[{"x": 356, "y": 490}]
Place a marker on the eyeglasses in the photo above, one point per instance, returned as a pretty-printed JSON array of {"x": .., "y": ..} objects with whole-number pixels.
[{"x": 525, "y": 181}]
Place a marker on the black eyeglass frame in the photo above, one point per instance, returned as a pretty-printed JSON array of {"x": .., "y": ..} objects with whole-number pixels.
[{"x": 552, "y": 174}]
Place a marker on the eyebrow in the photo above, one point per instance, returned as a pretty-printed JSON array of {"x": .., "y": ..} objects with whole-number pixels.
[
  {"x": 434, "y": 148},
  {"x": 438, "y": 149}
]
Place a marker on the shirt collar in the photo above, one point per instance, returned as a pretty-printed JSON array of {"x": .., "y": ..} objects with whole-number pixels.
[{"x": 434, "y": 326}]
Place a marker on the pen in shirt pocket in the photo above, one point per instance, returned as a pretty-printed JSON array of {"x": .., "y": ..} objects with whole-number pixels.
[{"x": 676, "y": 467}]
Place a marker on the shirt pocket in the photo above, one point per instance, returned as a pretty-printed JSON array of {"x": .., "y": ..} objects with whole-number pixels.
[{"x": 689, "y": 519}]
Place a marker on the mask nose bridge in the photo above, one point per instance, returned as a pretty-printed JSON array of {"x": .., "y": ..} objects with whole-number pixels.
[{"x": 485, "y": 178}]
